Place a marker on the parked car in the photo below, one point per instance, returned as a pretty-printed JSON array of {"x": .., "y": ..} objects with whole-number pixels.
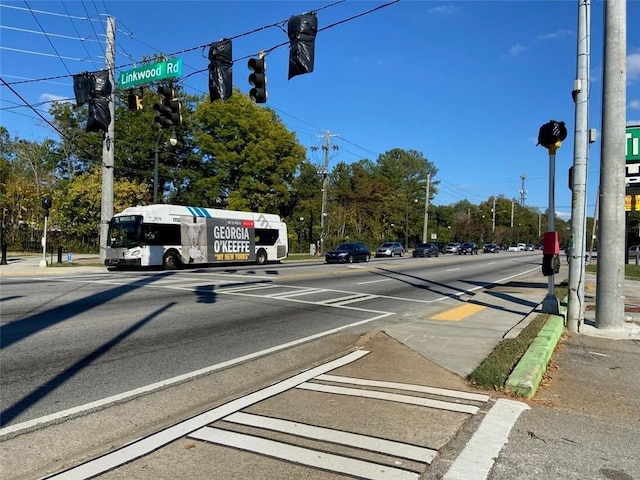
[
  {"x": 529, "y": 248},
  {"x": 426, "y": 250},
  {"x": 442, "y": 246},
  {"x": 468, "y": 248},
  {"x": 390, "y": 249},
  {"x": 634, "y": 252},
  {"x": 491, "y": 248},
  {"x": 513, "y": 248},
  {"x": 452, "y": 247},
  {"x": 349, "y": 253},
  {"x": 522, "y": 247}
]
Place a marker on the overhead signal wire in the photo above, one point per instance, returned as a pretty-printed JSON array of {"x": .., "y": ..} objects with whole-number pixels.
[
  {"x": 104, "y": 51},
  {"x": 47, "y": 36},
  {"x": 78, "y": 33},
  {"x": 201, "y": 47}
]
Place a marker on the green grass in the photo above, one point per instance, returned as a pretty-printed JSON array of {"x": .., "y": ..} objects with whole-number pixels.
[
  {"x": 631, "y": 271},
  {"x": 493, "y": 372}
]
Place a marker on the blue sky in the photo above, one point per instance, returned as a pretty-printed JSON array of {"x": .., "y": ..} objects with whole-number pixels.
[{"x": 467, "y": 83}]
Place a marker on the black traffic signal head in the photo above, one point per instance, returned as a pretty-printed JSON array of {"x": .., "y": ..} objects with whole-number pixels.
[
  {"x": 134, "y": 100},
  {"x": 258, "y": 78},
  {"x": 220, "y": 70},
  {"x": 169, "y": 112}
]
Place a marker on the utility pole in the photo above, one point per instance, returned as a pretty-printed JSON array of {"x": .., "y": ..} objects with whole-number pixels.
[
  {"x": 611, "y": 254},
  {"x": 426, "y": 208},
  {"x": 493, "y": 219},
  {"x": 107, "y": 144},
  {"x": 324, "y": 172},
  {"x": 512, "y": 206},
  {"x": 577, "y": 244}
]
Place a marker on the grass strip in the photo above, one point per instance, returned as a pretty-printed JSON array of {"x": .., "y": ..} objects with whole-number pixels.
[{"x": 493, "y": 372}]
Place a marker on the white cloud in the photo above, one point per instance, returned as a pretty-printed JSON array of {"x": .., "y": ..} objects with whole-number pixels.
[
  {"x": 633, "y": 67},
  {"x": 444, "y": 9},
  {"x": 634, "y": 105},
  {"x": 554, "y": 35},
  {"x": 50, "y": 97},
  {"x": 516, "y": 49},
  {"x": 563, "y": 215}
]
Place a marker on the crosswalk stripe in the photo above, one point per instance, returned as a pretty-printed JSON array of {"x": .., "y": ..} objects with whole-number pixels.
[
  {"x": 365, "y": 442},
  {"x": 394, "y": 397},
  {"x": 304, "y": 456},
  {"x": 405, "y": 386}
]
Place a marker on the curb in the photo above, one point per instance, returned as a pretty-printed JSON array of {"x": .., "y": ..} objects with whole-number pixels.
[{"x": 527, "y": 375}]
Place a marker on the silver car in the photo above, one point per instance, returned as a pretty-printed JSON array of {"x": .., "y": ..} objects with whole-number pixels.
[
  {"x": 452, "y": 247},
  {"x": 390, "y": 249}
]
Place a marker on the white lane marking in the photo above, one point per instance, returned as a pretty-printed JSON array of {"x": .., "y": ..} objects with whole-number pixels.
[
  {"x": 54, "y": 417},
  {"x": 340, "y": 300},
  {"x": 361, "y": 298},
  {"x": 157, "y": 440},
  {"x": 392, "y": 397},
  {"x": 365, "y": 442},
  {"x": 295, "y": 293},
  {"x": 304, "y": 456},
  {"x": 406, "y": 386},
  {"x": 478, "y": 456},
  {"x": 599, "y": 354},
  {"x": 375, "y": 281}
]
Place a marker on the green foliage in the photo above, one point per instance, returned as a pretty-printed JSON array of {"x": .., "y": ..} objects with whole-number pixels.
[{"x": 493, "y": 372}]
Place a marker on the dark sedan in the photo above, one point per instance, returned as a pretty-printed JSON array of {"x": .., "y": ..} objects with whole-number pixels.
[
  {"x": 348, "y": 253},
  {"x": 491, "y": 248},
  {"x": 468, "y": 248},
  {"x": 426, "y": 250}
]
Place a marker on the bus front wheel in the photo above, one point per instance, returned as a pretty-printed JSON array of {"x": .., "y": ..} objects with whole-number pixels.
[
  {"x": 171, "y": 261},
  {"x": 261, "y": 257}
]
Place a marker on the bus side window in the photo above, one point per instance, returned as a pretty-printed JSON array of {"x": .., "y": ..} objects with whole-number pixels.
[{"x": 266, "y": 236}]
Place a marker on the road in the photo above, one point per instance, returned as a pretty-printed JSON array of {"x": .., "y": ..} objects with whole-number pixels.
[
  {"x": 258, "y": 341},
  {"x": 75, "y": 340}
]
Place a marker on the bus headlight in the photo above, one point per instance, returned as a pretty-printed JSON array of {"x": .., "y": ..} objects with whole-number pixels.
[{"x": 135, "y": 253}]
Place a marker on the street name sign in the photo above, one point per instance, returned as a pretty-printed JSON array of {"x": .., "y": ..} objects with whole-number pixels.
[
  {"x": 632, "y": 144},
  {"x": 150, "y": 73}
]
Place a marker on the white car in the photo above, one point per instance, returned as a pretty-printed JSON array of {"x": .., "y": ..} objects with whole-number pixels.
[{"x": 514, "y": 248}]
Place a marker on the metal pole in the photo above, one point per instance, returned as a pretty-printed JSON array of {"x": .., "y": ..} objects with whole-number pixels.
[
  {"x": 43, "y": 262},
  {"x": 155, "y": 168},
  {"x": 406, "y": 224},
  {"x": 577, "y": 244},
  {"x": 426, "y": 208},
  {"x": 550, "y": 303},
  {"x": 493, "y": 220},
  {"x": 611, "y": 254},
  {"x": 107, "y": 145}
]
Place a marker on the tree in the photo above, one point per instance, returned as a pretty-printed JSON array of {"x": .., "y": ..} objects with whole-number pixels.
[{"x": 248, "y": 159}]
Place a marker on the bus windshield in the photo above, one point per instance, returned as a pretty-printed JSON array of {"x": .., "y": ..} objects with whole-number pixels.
[{"x": 125, "y": 231}]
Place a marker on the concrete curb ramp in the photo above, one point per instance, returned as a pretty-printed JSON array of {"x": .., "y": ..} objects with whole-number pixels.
[{"x": 527, "y": 375}]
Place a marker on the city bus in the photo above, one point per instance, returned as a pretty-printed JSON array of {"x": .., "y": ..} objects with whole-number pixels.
[{"x": 175, "y": 236}]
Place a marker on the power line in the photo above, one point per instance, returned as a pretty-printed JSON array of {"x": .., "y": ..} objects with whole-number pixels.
[{"x": 47, "y": 37}]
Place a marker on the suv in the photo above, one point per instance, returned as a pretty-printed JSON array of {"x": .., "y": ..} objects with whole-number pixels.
[
  {"x": 390, "y": 249},
  {"x": 468, "y": 248}
]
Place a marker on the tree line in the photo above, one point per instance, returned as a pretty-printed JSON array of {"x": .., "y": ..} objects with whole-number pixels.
[{"x": 236, "y": 155}]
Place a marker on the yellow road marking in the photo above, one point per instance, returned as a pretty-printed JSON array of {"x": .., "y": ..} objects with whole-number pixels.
[{"x": 458, "y": 313}]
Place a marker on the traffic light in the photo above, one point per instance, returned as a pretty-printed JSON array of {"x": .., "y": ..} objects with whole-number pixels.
[
  {"x": 220, "y": 70},
  {"x": 258, "y": 78},
  {"x": 134, "y": 100},
  {"x": 302, "y": 30},
  {"x": 169, "y": 112}
]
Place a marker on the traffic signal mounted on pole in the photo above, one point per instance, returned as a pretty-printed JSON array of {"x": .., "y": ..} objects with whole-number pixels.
[
  {"x": 169, "y": 112},
  {"x": 258, "y": 78},
  {"x": 134, "y": 100}
]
